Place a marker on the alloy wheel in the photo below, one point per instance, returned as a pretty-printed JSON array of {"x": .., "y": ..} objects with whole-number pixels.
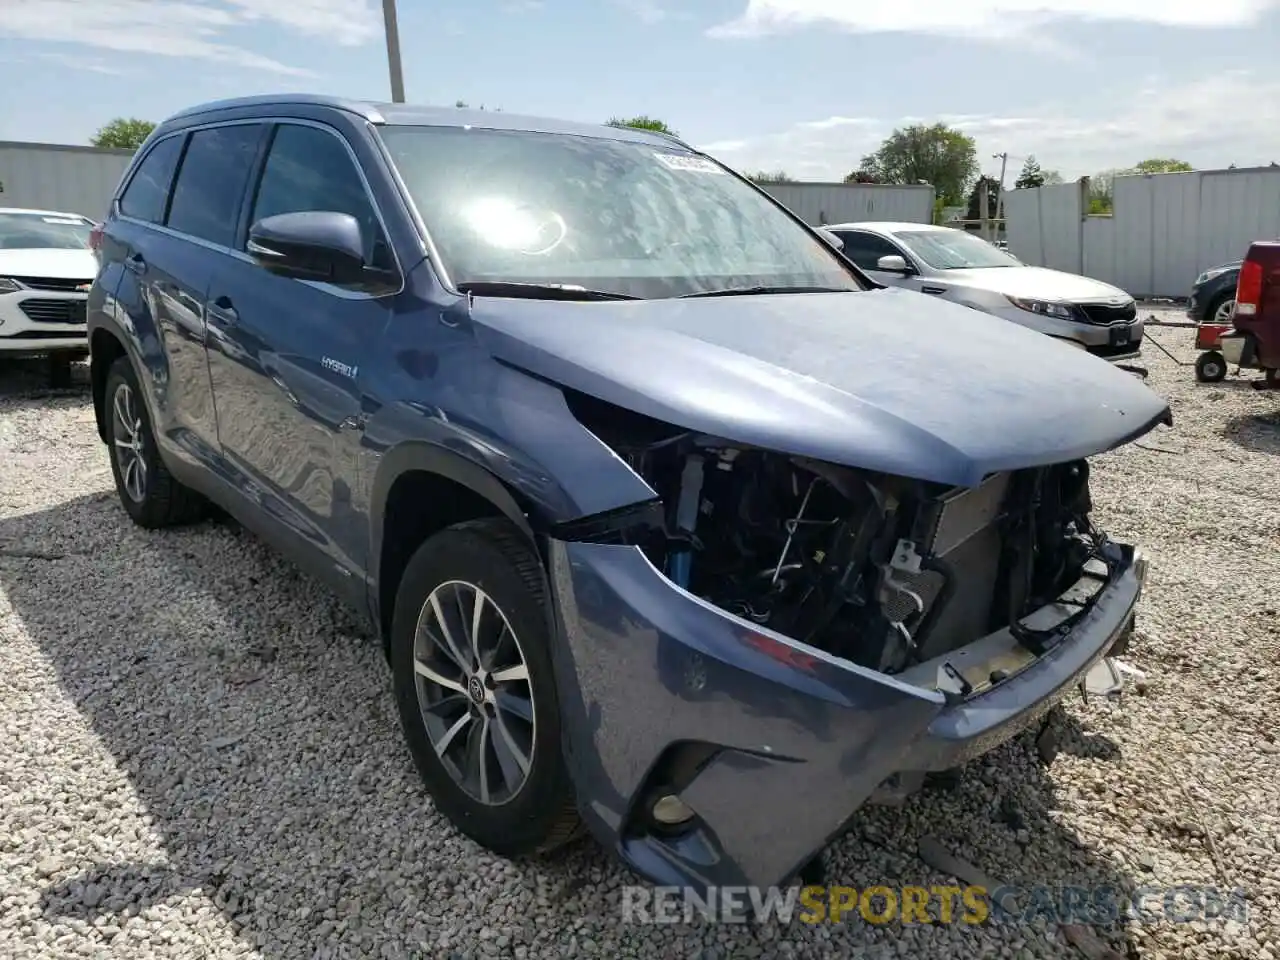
[
  {"x": 473, "y": 690},
  {"x": 1226, "y": 310},
  {"x": 128, "y": 437}
]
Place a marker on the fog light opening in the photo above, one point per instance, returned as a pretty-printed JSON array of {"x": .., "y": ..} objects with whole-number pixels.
[{"x": 670, "y": 811}]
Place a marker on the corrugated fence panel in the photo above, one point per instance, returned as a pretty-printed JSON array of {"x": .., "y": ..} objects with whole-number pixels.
[
  {"x": 1099, "y": 250},
  {"x": 1022, "y": 225},
  {"x": 1175, "y": 229},
  {"x": 821, "y": 203},
  {"x": 1133, "y": 218},
  {"x": 54, "y": 177},
  {"x": 1237, "y": 207},
  {"x": 1043, "y": 226},
  {"x": 1061, "y": 226},
  {"x": 1165, "y": 228}
]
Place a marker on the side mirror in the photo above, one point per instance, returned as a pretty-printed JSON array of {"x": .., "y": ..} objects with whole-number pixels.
[
  {"x": 830, "y": 237},
  {"x": 311, "y": 245},
  {"x": 893, "y": 264}
]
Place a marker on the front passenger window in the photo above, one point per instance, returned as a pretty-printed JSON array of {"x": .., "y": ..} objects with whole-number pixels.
[
  {"x": 310, "y": 169},
  {"x": 866, "y": 249}
]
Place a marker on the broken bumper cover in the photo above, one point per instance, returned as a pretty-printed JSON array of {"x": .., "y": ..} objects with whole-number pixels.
[{"x": 793, "y": 741}]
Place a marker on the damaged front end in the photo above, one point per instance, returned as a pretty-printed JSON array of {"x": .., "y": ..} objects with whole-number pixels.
[{"x": 833, "y": 628}]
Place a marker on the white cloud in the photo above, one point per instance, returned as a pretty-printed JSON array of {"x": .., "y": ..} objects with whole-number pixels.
[
  {"x": 987, "y": 19},
  {"x": 197, "y": 29},
  {"x": 1223, "y": 119}
]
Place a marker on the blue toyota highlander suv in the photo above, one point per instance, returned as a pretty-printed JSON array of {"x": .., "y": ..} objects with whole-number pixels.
[{"x": 673, "y": 523}]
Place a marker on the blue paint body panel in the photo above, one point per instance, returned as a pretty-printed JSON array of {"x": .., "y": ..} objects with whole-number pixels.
[{"x": 298, "y": 405}]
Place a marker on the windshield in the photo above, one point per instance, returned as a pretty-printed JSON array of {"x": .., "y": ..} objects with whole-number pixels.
[
  {"x": 955, "y": 250},
  {"x": 43, "y": 231},
  {"x": 634, "y": 219}
]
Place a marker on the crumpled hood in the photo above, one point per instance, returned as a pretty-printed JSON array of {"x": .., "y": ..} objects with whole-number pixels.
[
  {"x": 1034, "y": 283},
  {"x": 54, "y": 263},
  {"x": 889, "y": 380}
]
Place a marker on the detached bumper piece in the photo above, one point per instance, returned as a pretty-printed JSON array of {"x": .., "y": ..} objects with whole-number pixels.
[{"x": 710, "y": 751}]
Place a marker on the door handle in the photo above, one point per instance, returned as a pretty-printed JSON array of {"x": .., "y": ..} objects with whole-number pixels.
[
  {"x": 222, "y": 311},
  {"x": 933, "y": 289},
  {"x": 136, "y": 264}
]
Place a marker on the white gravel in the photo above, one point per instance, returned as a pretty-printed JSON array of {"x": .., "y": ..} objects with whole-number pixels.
[{"x": 199, "y": 755}]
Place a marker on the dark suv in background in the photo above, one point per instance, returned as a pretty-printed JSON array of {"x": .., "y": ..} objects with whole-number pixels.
[
  {"x": 1213, "y": 295},
  {"x": 668, "y": 517}
]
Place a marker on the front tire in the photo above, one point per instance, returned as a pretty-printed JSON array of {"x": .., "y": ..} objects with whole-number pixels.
[
  {"x": 147, "y": 491},
  {"x": 1222, "y": 310},
  {"x": 476, "y": 692}
]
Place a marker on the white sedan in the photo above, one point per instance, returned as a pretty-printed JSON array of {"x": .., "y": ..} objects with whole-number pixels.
[
  {"x": 956, "y": 265},
  {"x": 46, "y": 269}
]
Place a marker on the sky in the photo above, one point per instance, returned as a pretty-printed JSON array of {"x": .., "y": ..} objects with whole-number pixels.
[{"x": 805, "y": 86}]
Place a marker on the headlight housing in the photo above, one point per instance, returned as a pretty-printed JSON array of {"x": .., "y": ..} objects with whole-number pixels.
[
  {"x": 1210, "y": 274},
  {"x": 9, "y": 285},
  {"x": 1046, "y": 308}
]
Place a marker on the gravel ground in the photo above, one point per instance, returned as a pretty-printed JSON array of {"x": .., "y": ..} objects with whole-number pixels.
[{"x": 199, "y": 755}]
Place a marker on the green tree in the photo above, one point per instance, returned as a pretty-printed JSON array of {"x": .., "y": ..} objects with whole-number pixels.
[
  {"x": 643, "y": 122},
  {"x": 1158, "y": 165},
  {"x": 1101, "y": 186},
  {"x": 1051, "y": 177},
  {"x": 774, "y": 176},
  {"x": 125, "y": 133},
  {"x": 937, "y": 154},
  {"x": 975, "y": 202},
  {"x": 1031, "y": 176}
]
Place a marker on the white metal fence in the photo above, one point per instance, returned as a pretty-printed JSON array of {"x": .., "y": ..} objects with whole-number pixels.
[
  {"x": 58, "y": 177},
  {"x": 1164, "y": 229},
  {"x": 822, "y": 203}
]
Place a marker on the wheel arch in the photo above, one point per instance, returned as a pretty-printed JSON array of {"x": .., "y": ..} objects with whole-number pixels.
[
  {"x": 420, "y": 489},
  {"x": 105, "y": 347}
]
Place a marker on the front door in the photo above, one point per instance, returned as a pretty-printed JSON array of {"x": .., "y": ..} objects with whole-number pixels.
[
  {"x": 285, "y": 358},
  {"x": 866, "y": 249}
]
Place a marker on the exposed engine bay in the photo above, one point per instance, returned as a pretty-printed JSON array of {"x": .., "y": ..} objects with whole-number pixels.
[{"x": 883, "y": 571}]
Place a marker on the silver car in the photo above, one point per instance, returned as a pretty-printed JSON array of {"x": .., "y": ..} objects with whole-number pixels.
[{"x": 959, "y": 266}]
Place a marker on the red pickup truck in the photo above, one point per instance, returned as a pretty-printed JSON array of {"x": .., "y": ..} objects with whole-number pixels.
[{"x": 1254, "y": 344}]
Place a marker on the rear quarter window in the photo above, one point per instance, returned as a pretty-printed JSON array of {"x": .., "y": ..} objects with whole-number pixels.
[{"x": 145, "y": 196}]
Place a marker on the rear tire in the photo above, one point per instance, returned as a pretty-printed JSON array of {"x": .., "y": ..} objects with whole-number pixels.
[
  {"x": 1211, "y": 367},
  {"x": 446, "y": 724},
  {"x": 148, "y": 492}
]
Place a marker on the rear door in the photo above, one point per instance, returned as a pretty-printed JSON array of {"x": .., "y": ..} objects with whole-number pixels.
[
  {"x": 176, "y": 219},
  {"x": 286, "y": 358}
]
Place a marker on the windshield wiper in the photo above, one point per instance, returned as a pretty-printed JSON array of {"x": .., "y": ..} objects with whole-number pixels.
[
  {"x": 759, "y": 291},
  {"x": 538, "y": 291}
]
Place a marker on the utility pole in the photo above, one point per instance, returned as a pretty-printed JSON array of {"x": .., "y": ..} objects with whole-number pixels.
[
  {"x": 1004, "y": 162},
  {"x": 393, "y": 50}
]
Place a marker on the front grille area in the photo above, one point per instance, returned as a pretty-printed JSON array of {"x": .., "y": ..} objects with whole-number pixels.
[
  {"x": 54, "y": 283},
  {"x": 1105, "y": 316},
  {"x": 45, "y": 335},
  {"x": 54, "y": 311}
]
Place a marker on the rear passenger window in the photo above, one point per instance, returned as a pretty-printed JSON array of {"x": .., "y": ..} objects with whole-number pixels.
[
  {"x": 211, "y": 182},
  {"x": 149, "y": 188},
  {"x": 310, "y": 169}
]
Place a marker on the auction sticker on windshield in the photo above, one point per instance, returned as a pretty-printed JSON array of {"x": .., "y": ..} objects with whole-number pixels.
[{"x": 680, "y": 161}]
